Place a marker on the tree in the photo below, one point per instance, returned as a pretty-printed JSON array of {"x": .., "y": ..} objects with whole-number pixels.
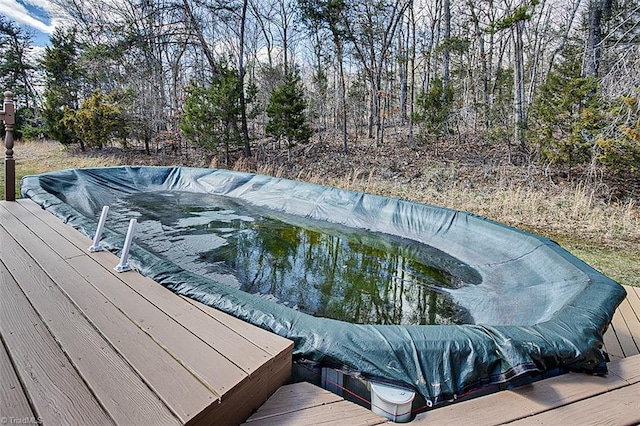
[
  {"x": 63, "y": 78},
  {"x": 515, "y": 20},
  {"x": 433, "y": 108},
  {"x": 597, "y": 12},
  {"x": 286, "y": 112},
  {"x": 212, "y": 113},
  {"x": 565, "y": 116},
  {"x": 331, "y": 14},
  {"x": 97, "y": 121},
  {"x": 17, "y": 74},
  {"x": 371, "y": 27}
]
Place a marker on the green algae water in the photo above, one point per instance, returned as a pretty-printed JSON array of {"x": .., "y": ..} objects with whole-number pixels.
[{"x": 322, "y": 269}]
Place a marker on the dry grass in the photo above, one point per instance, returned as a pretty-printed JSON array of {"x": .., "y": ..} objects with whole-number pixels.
[
  {"x": 35, "y": 157},
  {"x": 604, "y": 234}
]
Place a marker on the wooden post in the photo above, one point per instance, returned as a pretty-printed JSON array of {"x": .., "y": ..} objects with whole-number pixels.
[{"x": 8, "y": 116}]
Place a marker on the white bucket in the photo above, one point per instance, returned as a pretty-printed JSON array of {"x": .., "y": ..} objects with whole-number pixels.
[{"x": 391, "y": 402}]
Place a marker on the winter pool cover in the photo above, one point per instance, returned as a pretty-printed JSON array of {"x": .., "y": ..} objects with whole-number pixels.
[{"x": 459, "y": 301}]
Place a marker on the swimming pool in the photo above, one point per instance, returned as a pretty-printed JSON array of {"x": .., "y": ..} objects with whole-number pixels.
[{"x": 512, "y": 303}]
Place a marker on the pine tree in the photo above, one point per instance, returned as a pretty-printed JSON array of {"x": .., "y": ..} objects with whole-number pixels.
[
  {"x": 17, "y": 73},
  {"x": 566, "y": 114},
  {"x": 62, "y": 85},
  {"x": 286, "y": 112},
  {"x": 212, "y": 114},
  {"x": 98, "y": 119},
  {"x": 433, "y": 108}
]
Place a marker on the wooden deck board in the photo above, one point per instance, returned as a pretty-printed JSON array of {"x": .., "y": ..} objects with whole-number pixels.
[
  {"x": 288, "y": 399},
  {"x": 58, "y": 393},
  {"x": 622, "y": 339},
  {"x": 134, "y": 345},
  {"x": 618, "y": 407},
  {"x": 249, "y": 332},
  {"x": 511, "y": 405},
  {"x": 305, "y": 404},
  {"x": 626, "y": 325},
  {"x": 13, "y": 399},
  {"x": 612, "y": 344},
  {"x": 95, "y": 359},
  {"x": 628, "y": 369}
]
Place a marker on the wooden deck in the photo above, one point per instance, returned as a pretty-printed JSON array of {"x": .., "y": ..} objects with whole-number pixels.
[
  {"x": 569, "y": 399},
  {"x": 82, "y": 344},
  {"x": 623, "y": 337}
]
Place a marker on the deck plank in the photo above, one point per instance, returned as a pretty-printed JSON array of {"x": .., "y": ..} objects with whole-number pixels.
[
  {"x": 548, "y": 394},
  {"x": 57, "y": 392},
  {"x": 631, "y": 318},
  {"x": 258, "y": 337},
  {"x": 338, "y": 413},
  {"x": 627, "y": 369},
  {"x": 612, "y": 344},
  {"x": 623, "y": 332},
  {"x": 201, "y": 359},
  {"x": 72, "y": 235},
  {"x": 306, "y": 404},
  {"x": 14, "y": 403},
  {"x": 240, "y": 353},
  {"x": 94, "y": 358},
  {"x": 290, "y": 398},
  {"x": 618, "y": 407},
  {"x": 64, "y": 247}
]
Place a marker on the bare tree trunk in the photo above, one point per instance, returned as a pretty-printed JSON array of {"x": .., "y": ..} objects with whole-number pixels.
[
  {"x": 241, "y": 74},
  {"x": 593, "y": 50},
  {"x": 565, "y": 36},
  {"x": 446, "y": 33},
  {"x": 412, "y": 23},
  {"x": 267, "y": 37},
  {"x": 403, "y": 73},
  {"x": 484, "y": 68},
  {"x": 520, "y": 118},
  {"x": 343, "y": 91},
  {"x": 539, "y": 35}
]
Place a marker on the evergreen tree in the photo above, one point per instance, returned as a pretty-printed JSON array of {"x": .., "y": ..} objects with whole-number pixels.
[
  {"x": 212, "y": 114},
  {"x": 566, "y": 115},
  {"x": 62, "y": 85},
  {"x": 433, "y": 107},
  {"x": 286, "y": 112},
  {"x": 16, "y": 74},
  {"x": 98, "y": 119}
]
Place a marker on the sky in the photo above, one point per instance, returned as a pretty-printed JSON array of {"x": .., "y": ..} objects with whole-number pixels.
[{"x": 40, "y": 17}]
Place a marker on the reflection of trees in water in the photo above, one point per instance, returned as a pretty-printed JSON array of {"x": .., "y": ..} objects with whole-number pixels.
[
  {"x": 334, "y": 276},
  {"x": 325, "y": 271}
]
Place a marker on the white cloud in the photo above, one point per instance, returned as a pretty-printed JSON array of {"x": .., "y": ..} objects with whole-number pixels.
[{"x": 19, "y": 13}]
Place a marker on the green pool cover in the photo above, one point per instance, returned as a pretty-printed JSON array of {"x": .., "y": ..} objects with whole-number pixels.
[{"x": 518, "y": 303}]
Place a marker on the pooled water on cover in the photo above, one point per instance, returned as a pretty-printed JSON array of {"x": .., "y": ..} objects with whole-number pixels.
[{"x": 321, "y": 269}]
